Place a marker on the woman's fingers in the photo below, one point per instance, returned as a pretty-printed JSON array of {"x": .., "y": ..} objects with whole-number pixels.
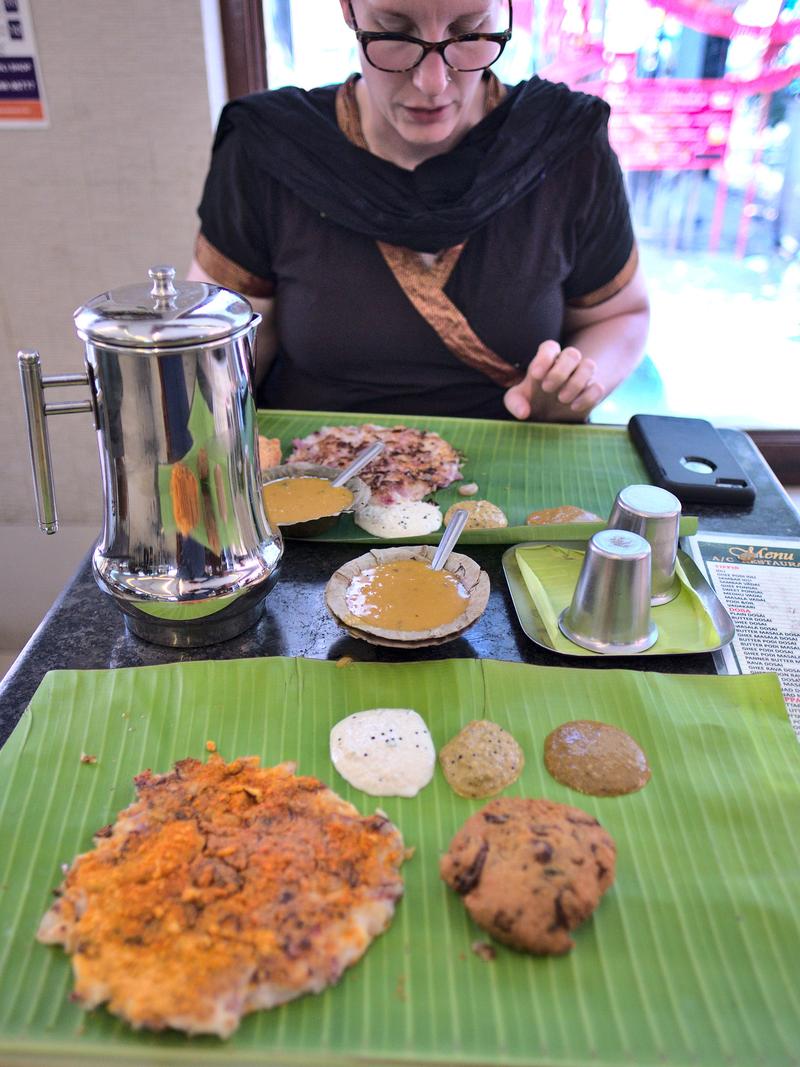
[
  {"x": 580, "y": 378},
  {"x": 588, "y": 399},
  {"x": 554, "y": 369},
  {"x": 561, "y": 370},
  {"x": 517, "y": 400},
  {"x": 543, "y": 362}
]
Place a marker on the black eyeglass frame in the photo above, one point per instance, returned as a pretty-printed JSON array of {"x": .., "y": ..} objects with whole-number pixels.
[{"x": 365, "y": 37}]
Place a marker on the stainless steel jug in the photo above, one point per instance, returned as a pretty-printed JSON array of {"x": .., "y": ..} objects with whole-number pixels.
[{"x": 186, "y": 552}]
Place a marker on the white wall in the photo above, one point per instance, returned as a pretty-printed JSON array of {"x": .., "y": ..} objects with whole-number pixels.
[{"x": 88, "y": 204}]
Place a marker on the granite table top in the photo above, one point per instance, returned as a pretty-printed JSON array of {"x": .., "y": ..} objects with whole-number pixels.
[{"x": 84, "y": 629}]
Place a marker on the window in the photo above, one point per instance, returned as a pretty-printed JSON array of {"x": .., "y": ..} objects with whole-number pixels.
[{"x": 706, "y": 121}]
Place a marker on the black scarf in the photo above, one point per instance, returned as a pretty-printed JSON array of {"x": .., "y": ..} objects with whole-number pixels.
[{"x": 292, "y": 135}]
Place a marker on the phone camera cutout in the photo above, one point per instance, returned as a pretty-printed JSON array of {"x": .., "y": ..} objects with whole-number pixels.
[{"x": 698, "y": 465}]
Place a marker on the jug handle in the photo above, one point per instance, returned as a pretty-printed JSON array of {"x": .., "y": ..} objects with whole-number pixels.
[{"x": 33, "y": 386}]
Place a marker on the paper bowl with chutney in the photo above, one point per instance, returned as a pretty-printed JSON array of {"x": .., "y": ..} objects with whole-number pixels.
[
  {"x": 300, "y": 499},
  {"x": 390, "y": 596}
]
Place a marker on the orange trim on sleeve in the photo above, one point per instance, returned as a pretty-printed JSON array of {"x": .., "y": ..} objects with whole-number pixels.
[
  {"x": 230, "y": 274},
  {"x": 616, "y": 285}
]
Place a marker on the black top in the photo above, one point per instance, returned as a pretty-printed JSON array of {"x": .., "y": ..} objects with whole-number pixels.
[{"x": 349, "y": 337}]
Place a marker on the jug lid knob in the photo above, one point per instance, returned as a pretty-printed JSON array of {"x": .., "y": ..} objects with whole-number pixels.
[
  {"x": 164, "y": 313},
  {"x": 162, "y": 278}
]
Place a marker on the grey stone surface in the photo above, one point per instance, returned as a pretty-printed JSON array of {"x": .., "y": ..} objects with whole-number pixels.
[{"x": 84, "y": 629}]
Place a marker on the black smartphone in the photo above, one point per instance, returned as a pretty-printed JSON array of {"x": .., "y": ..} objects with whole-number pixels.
[{"x": 688, "y": 457}]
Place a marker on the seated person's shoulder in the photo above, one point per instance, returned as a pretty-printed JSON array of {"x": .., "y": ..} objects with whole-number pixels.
[{"x": 279, "y": 105}]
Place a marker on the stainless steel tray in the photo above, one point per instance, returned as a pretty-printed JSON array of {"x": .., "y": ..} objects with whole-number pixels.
[{"x": 531, "y": 621}]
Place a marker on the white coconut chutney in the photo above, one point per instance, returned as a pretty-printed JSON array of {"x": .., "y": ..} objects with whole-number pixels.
[
  {"x": 386, "y": 752},
  {"x": 412, "y": 518}
]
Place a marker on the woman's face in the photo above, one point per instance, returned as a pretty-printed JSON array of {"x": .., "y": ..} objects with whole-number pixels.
[{"x": 430, "y": 106}]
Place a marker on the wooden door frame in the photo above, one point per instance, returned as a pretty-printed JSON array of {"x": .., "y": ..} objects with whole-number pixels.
[
  {"x": 244, "y": 46},
  {"x": 781, "y": 449}
]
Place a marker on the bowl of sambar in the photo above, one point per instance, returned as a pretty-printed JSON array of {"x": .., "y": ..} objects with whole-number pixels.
[{"x": 299, "y": 497}]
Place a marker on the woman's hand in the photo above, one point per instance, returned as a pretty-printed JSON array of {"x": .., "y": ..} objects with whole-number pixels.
[
  {"x": 561, "y": 373},
  {"x": 603, "y": 345}
]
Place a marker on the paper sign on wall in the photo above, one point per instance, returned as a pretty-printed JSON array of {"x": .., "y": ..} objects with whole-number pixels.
[{"x": 21, "y": 90}]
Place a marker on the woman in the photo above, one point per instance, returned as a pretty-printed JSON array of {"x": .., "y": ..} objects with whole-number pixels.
[{"x": 422, "y": 239}]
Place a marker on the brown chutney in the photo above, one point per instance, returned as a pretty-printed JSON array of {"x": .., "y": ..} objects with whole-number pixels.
[
  {"x": 595, "y": 758},
  {"x": 481, "y": 759}
]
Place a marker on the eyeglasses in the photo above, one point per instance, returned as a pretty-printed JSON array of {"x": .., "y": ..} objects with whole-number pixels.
[{"x": 399, "y": 52}]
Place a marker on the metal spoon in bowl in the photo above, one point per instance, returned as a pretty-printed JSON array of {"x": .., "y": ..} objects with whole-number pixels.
[
  {"x": 451, "y": 534},
  {"x": 361, "y": 460}
]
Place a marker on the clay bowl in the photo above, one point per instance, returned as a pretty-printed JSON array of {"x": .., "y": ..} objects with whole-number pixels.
[
  {"x": 312, "y": 527},
  {"x": 474, "y": 580}
]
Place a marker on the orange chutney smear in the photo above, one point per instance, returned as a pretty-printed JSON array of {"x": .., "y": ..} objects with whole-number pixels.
[
  {"x": 290, "y": 500},
  {"x": 406, "y": 595}
]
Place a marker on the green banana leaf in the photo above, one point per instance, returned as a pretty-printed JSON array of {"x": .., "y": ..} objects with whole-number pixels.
[
  {"x": 520, "y": 466},
  {"x": 691, "y": 958}
]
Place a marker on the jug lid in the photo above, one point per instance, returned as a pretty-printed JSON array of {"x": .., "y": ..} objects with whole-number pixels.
[{"x": 163, "y": 314}]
